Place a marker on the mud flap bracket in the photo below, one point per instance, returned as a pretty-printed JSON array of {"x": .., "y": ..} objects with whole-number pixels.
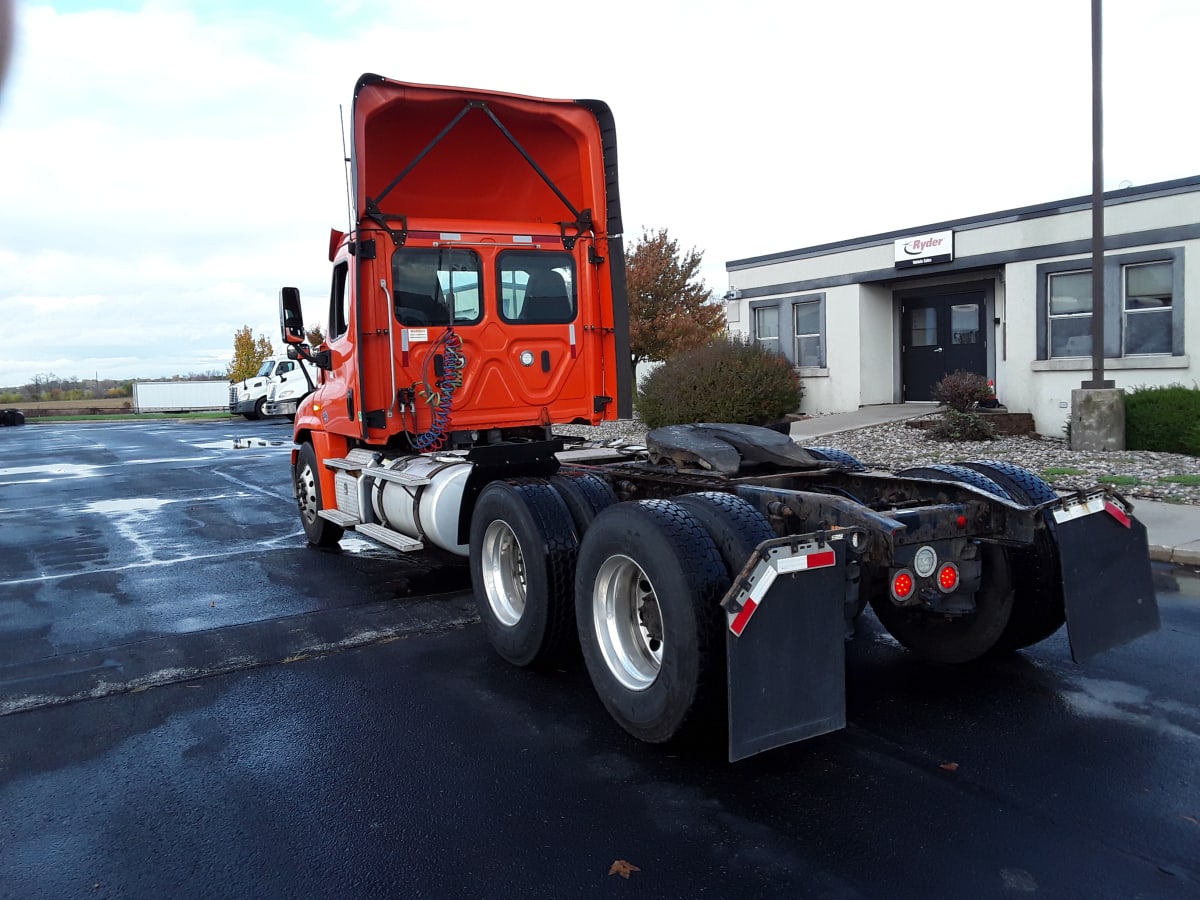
[
  {"x": 1108, "y": 588},
  {"x": 785, "y": 641}
]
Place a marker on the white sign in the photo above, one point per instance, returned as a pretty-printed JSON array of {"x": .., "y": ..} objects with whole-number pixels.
[{"x": 924, "y": 249}]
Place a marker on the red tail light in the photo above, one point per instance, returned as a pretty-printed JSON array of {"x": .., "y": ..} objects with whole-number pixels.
[
  {"x": 902, "y": 585},
  {"x": 947, "y": 578}
]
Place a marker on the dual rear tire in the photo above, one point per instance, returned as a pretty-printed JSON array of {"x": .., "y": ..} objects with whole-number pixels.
[{"x": 643, "y": 599}]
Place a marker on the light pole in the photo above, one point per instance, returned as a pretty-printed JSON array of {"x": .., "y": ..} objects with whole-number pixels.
[{"x": 1097, "y": 406}]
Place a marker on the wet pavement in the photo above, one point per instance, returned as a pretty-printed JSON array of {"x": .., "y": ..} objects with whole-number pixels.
[{"x": 271, "y": 720}]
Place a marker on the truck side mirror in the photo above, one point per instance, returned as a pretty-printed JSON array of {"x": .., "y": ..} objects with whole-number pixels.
[{"x": 291, "y": 318}]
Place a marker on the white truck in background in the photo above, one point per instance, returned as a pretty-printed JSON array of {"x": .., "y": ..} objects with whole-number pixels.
[
  {"x": 248, "y": 397},
  {"x": 289, "y": 385}
]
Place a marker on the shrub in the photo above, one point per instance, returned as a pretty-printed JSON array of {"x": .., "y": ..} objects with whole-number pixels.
[
  {"x": 1166, "y": 419},
  {"x": 961, "y": 426},
  {"x": 961, "y": 390},
  {"x": 728, "y": 380}
]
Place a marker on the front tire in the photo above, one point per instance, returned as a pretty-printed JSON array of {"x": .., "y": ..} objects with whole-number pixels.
[
  {"x": 647, "y": 593},
  {"x": 320, "y": 532},
  {"x": 522, "y": 556}
]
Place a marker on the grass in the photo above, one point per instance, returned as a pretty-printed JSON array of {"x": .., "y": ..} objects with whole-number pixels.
[
  {"x": 1055, "y": 471},
  {"x": 1191, "y": 480},
  {"x": 1120, "y": 480}
]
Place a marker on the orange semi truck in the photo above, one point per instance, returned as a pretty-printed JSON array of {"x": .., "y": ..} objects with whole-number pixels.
[{"x": 708, "y": 577}]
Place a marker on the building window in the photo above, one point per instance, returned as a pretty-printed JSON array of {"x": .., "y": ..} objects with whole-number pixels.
[
  {"x": 804, "y": 316},
  {"x": 766, "y": 327},
  {"x": 1148, "y": 291},
  {"x": 1142, "y": 306},
  {"x": 1070, "y": 313}
]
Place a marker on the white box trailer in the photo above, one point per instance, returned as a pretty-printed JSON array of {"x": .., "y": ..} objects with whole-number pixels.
[{"x": 180, "y": 396}]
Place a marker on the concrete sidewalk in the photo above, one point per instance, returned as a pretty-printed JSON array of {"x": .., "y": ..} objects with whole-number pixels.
[{"x": 1173, "y": 528}]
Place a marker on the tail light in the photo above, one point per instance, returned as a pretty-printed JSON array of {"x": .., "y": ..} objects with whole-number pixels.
[
  {"x": 947, "y": 578},
  {"x": 902, "y": 585}
]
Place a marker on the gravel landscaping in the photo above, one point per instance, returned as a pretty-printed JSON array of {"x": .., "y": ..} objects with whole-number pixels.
[{"x": 1169, "y": 477}]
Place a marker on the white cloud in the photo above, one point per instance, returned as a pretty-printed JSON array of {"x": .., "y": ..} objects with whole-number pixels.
[{"x": 167, "y": 169}]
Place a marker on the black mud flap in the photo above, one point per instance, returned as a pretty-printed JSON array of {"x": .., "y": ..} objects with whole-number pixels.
[
  {"x": 1108, "y": 589},
  {"x": 786, "y": 643}
]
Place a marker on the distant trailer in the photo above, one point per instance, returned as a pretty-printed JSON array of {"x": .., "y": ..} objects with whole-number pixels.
[{"x": 180, "y": 396}]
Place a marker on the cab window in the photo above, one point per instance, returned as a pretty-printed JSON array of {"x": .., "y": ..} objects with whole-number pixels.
[
  {"x": 537, "y": 288},
  {"x": 339, "y": 320},
  {"x": 436, "y": 286}
]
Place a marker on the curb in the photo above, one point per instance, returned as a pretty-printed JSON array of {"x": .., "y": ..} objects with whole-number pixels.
[{"x": 1180, "y": 556}]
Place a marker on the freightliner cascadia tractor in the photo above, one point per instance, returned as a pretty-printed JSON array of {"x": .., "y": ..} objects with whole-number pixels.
[{"x": 709, "y": 577}]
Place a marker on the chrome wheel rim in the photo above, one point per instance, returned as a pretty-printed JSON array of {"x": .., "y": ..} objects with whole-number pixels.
[
  {"x": 504, "y": 580},
  {"x": 627, "y": 620},
  {"x": 306, "y": 494}
]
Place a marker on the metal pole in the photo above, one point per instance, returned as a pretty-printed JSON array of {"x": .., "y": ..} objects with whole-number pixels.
[{"x": 1097, "y": 208}]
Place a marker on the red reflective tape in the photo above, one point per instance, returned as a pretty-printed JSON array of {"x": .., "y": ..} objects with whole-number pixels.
[
  {"x": 821, "y": 560},
  {"x": 1117, "y": 513},
  {"x": 738, "y": 625}
]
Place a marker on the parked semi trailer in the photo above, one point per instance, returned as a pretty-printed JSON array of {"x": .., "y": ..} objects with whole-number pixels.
[
  {"x": 710, "y": 575},
  {"x": 179, "y": 396}
]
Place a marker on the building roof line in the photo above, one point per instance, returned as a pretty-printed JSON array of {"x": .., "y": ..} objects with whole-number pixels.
[{"x": 1003, "y": 217}]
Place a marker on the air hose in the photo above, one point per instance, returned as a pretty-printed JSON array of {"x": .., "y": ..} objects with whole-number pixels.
[{"x": 439, "y": 393}]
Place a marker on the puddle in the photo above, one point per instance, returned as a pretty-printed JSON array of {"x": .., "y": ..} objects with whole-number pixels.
[
  {"x": 241, "y": 444},
  {"x": 1181, "y": 580},
  {"x": 76, "y": 471}
]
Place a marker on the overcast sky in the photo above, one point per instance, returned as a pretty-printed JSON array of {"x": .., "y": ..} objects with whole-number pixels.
[{"x": 167, "y": 166}]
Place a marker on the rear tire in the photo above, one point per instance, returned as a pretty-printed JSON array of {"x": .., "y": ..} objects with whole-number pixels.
[
  {"x": 647, "y": 597},
  {"x": 841, "y": 457},
  {"x": 306, "y": 476},
  {"x": 586, "y": 495},
  {"x": 960, "y": 639},
  {"x": 1038, "y": 609},
  {"x": 735, "y": 526},
  {"x": 522, "y": 556}
]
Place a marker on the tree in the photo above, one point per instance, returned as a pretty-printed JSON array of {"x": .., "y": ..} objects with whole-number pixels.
[
  {"x": 670, "y": 308},
  {"x": 248, "y": 354},
  {"x": 315, "y": 336}
]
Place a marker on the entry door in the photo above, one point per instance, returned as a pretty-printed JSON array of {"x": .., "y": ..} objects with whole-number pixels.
[{"x": 941, "y": 334}]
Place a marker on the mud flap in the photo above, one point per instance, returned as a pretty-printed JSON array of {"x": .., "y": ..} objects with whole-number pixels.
[
  {"x": 1108, "y": 589},
  {"x": 786, "y": 643}
]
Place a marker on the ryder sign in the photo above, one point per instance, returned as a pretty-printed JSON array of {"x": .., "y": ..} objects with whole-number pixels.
[{"x": 925, "y": 249}]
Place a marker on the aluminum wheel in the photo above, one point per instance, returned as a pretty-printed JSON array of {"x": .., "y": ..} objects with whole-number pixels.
[
  {"x": 503, "y": 572},
  {"x": 628, "y": 622},
  {"x": 306, "y": 494}
]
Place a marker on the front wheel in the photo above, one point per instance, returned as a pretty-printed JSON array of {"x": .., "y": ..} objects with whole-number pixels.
[
  {"x": 320, "y": 532},
  {"x": 647, "y": 602}
]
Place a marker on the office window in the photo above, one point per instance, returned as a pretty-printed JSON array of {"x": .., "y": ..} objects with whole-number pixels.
[
  {"x": 792, "y": 326},
  {"x": 1142, "y": 307},
  {"x": 1148, "y": 290},
  {"x": 766, "y": 327},
  {"x": 806, "y": 315},
  {"x": 1070, "y": 313}
]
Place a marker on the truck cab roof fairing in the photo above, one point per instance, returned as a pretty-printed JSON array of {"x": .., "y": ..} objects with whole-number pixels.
[{"x": 404, "y": 150}]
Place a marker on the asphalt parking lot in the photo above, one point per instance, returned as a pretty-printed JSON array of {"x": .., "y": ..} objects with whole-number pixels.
[{"x": 195, "y": 703}]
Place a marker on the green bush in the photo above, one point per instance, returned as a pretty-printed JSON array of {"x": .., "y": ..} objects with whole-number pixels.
[
  {"x": 729, "y": 380},
  {"x": 1166, "y": 419}
]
